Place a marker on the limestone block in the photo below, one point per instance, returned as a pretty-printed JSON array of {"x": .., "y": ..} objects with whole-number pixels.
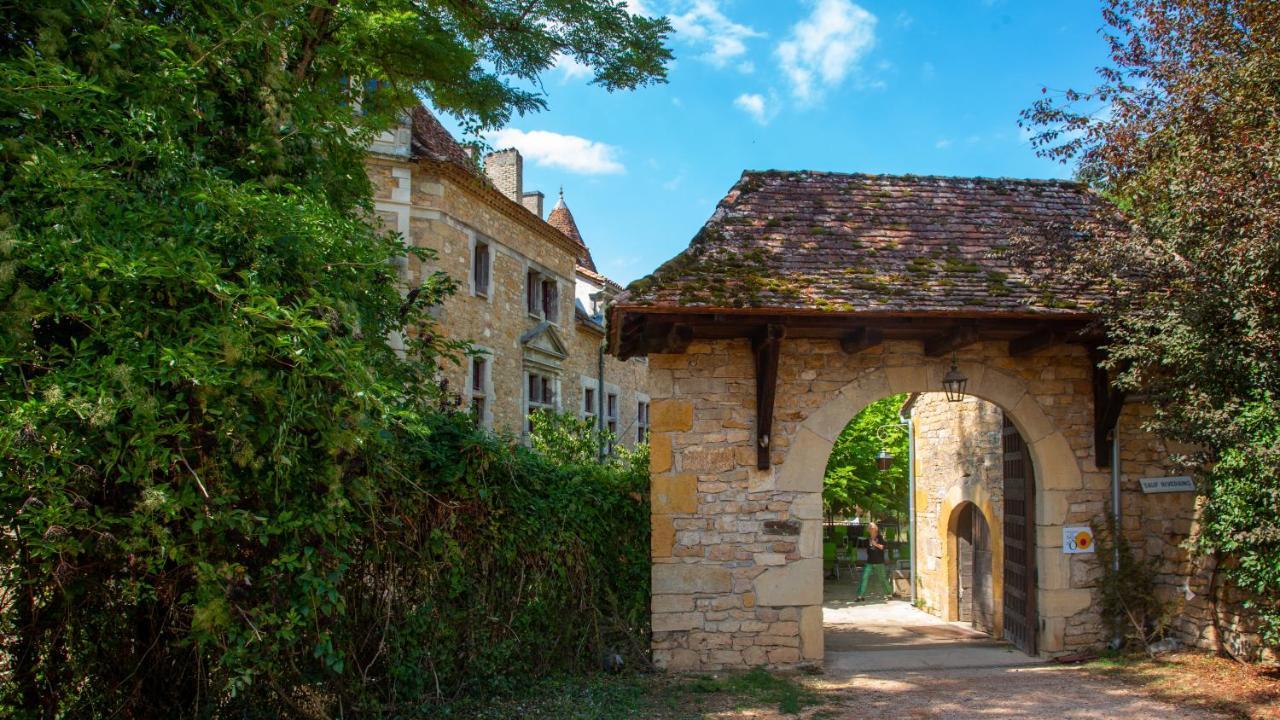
[
  {"x": 671, "y": 416},
  {"x": 1032, "y": 422},
  {"x": 807, "y": 506},
  {"x": 1053, "y": 569},
  {"x": 1052, "y": 506},
  {"x": 1002, "y": 389},
  {"x": 797, "y": 583},
  {"x": 811, "y": 633},
  {"x": 760, "y": 480},
  {"x": 706, "y": 460},
  {"x": 1053, "y": 634},
  {"x": 673, "y": 579},
  {"x": 659, "y": 453},
  {"x": 913, "y": 378},
  {"x": 674, "y": 494},
  {"x": 1063, "y": 603},
  {"x": 805, "y": 463},
  {"x": 830, "y": 420},
  {"x": 662, "y": 537},
  {"x": 672, "y": 603},
  {"x": 1056, "y": 464},
  {"x": 784, "y": 656},
  {"x": 811, "y": 539},
  {"x": 1049, "y": 536},
  {"x": 667, "y": 622}
]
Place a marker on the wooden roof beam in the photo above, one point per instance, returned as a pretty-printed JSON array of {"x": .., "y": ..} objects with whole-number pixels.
[
  {"x": 1035, "y": 341},
  {"x": 861, "y": 339},
  {"x": 960, "y": 337}
]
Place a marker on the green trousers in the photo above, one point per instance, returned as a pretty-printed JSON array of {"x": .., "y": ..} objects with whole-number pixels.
[{"x": 877, "y": 569}]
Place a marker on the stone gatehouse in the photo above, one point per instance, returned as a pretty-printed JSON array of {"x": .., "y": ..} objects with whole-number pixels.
[{"x": 806, "y": 297}]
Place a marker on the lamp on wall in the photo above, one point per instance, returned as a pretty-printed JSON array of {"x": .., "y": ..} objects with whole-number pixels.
[
  {"x": 954, "y": 381},
  {"x": 884, "y": 460}
]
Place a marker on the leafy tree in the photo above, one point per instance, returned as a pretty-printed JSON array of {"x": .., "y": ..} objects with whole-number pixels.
[
  {"x": 853, "y": 482},
  {"x": 1182, "y": 133},
  {"x": 210, "y": 453}
]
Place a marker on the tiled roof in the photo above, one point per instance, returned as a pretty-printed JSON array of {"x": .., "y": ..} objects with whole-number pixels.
[
  {"x": 562, "y": 220},
  {"x": 835, "y": 242},
  {"x": 431, "y": 140}
]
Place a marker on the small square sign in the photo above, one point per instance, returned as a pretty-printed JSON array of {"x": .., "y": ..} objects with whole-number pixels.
[{"x": 1077, "y": 540}]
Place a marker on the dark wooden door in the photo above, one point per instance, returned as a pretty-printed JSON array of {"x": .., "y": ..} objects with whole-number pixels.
[
  {"x": 983, "y": 598},
  {"x": 964, "y": 569},
  {"x": 1020, "y": 618}
]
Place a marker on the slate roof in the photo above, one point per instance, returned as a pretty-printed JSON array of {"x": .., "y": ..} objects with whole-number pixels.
[
  {"x": 836, "y": 242},
  {"x": 562, "y": 220}
]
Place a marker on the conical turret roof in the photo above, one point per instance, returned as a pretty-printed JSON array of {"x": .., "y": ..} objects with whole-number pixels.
[{"x": 562, "y": 220}]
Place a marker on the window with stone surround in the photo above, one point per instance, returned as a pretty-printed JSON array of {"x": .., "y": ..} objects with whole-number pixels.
[
  {"x": 611, "y": 412},
  {"x": 588, "y": 402},
  {"x": 479, "y": 388},
  {"x": 541, "y": 396},
  {"x": 642, "y": 421},
  {"x": 542, "y": 296},
  {"x": 480, "y": 269}
]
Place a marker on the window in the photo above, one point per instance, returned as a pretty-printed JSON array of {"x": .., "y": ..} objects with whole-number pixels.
[
  {"x": 642, "y": 421},
  {"x": 588, "y": 402},
  {"x": 480, "y": 270},
  {"x": 542, "y": 396},
  {"x": 611, "y": 412},
  {"x": 542, "y": 296},
  {"x": 479, "y": 384}
]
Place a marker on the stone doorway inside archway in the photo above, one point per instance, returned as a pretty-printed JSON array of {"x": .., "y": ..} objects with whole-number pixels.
[{"x": 937, "y": 497}]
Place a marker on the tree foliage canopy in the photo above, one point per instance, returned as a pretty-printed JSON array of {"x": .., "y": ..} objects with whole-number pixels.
[
  {"x": 853, "y": 481},
  {"x": 220, "y": 483},
  {"x": 1182, "y": 132}
]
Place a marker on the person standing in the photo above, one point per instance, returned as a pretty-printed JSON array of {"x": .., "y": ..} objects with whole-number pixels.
[{"x": 875, "y": 563}]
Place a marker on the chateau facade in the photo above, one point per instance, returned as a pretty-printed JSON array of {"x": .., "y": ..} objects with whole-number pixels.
[{"x": 529, "y": 297}]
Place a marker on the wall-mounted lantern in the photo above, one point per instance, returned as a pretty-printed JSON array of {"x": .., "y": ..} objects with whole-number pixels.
[
  {"x": 884, "y": 460},
  {"x": 953, "y": 382}
]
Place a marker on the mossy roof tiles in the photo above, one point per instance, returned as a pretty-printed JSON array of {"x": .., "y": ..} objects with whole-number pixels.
[{"x": 874, "y": 243}]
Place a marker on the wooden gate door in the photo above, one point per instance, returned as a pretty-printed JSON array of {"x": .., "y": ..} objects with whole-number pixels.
[
  {"x": 983, "y": 601},
  {"x": 1020, "y": 617}
]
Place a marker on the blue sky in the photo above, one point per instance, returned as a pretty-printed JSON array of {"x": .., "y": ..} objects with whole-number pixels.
[{"x": 925, "y": 87}]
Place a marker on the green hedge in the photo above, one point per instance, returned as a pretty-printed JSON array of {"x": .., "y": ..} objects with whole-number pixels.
[{"x": 488, "y": 566}]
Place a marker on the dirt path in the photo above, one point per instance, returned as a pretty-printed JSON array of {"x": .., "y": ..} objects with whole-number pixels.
[{"x": 1009, "y": 692}]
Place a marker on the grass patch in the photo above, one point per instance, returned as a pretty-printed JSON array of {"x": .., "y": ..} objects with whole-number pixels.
[
  {"x": 759, "y": 687},
  {"x": 619, "y": 697}
]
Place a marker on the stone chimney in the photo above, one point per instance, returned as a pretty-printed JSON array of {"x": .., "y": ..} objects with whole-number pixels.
[
  {"x": 505, "y": 169},
  {"x": 533, "y": 201}
]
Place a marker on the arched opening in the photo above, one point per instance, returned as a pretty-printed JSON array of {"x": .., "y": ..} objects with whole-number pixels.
[
  {"x": 973, "y": 595},
  {"x": 969, "y": 509}
]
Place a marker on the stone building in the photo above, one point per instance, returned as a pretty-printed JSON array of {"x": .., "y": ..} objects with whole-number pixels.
[
  {"x": 529, "y": 297},
  {"x": 808, "y": 296}
]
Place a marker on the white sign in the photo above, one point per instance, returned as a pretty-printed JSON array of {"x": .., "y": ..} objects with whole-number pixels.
[
  {"x": 1181, "y": 483},
  {"x": 1077, "y": 540}
]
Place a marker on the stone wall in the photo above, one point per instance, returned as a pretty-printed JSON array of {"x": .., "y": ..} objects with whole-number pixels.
[
  {"x": 959, "y": 456},
  {"x": 737, "y": 576}
]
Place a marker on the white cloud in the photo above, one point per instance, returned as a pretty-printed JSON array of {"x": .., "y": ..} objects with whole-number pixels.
[
  {"x": 928, "y": 71},
  {"x": 824, "y": 48},
  {"x": 704, "y": 24},
  {"x": 572, "y": 69},
  {"x": 638, "y": 7},
  {"x": 942, "y": 144},
  {"x": 567, "y": 152},
  {"x": 756, "y": 106},
  {"x": 674, "y": 183}
]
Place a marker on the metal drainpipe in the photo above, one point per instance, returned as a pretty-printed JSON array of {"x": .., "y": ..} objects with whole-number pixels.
[
  {"x": 911, "y": 501},
  {"x": 600, "y": 403},
  {"x": 1115, "y": 492}
]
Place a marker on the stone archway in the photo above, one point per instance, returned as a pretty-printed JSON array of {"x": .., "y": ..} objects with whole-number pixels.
[
  {"x": 737, "y": 576},
  {"x": 1058, "y": 470}
]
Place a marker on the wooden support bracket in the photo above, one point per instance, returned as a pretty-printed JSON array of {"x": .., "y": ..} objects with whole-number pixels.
[
  {"x": 1107, "y": 404},
  {"x": 861, "y": 339},
  {"x": 766, "y": 347},
  {"x": 960, "y": 337},
  {"x": 1034, "y": 342}
]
